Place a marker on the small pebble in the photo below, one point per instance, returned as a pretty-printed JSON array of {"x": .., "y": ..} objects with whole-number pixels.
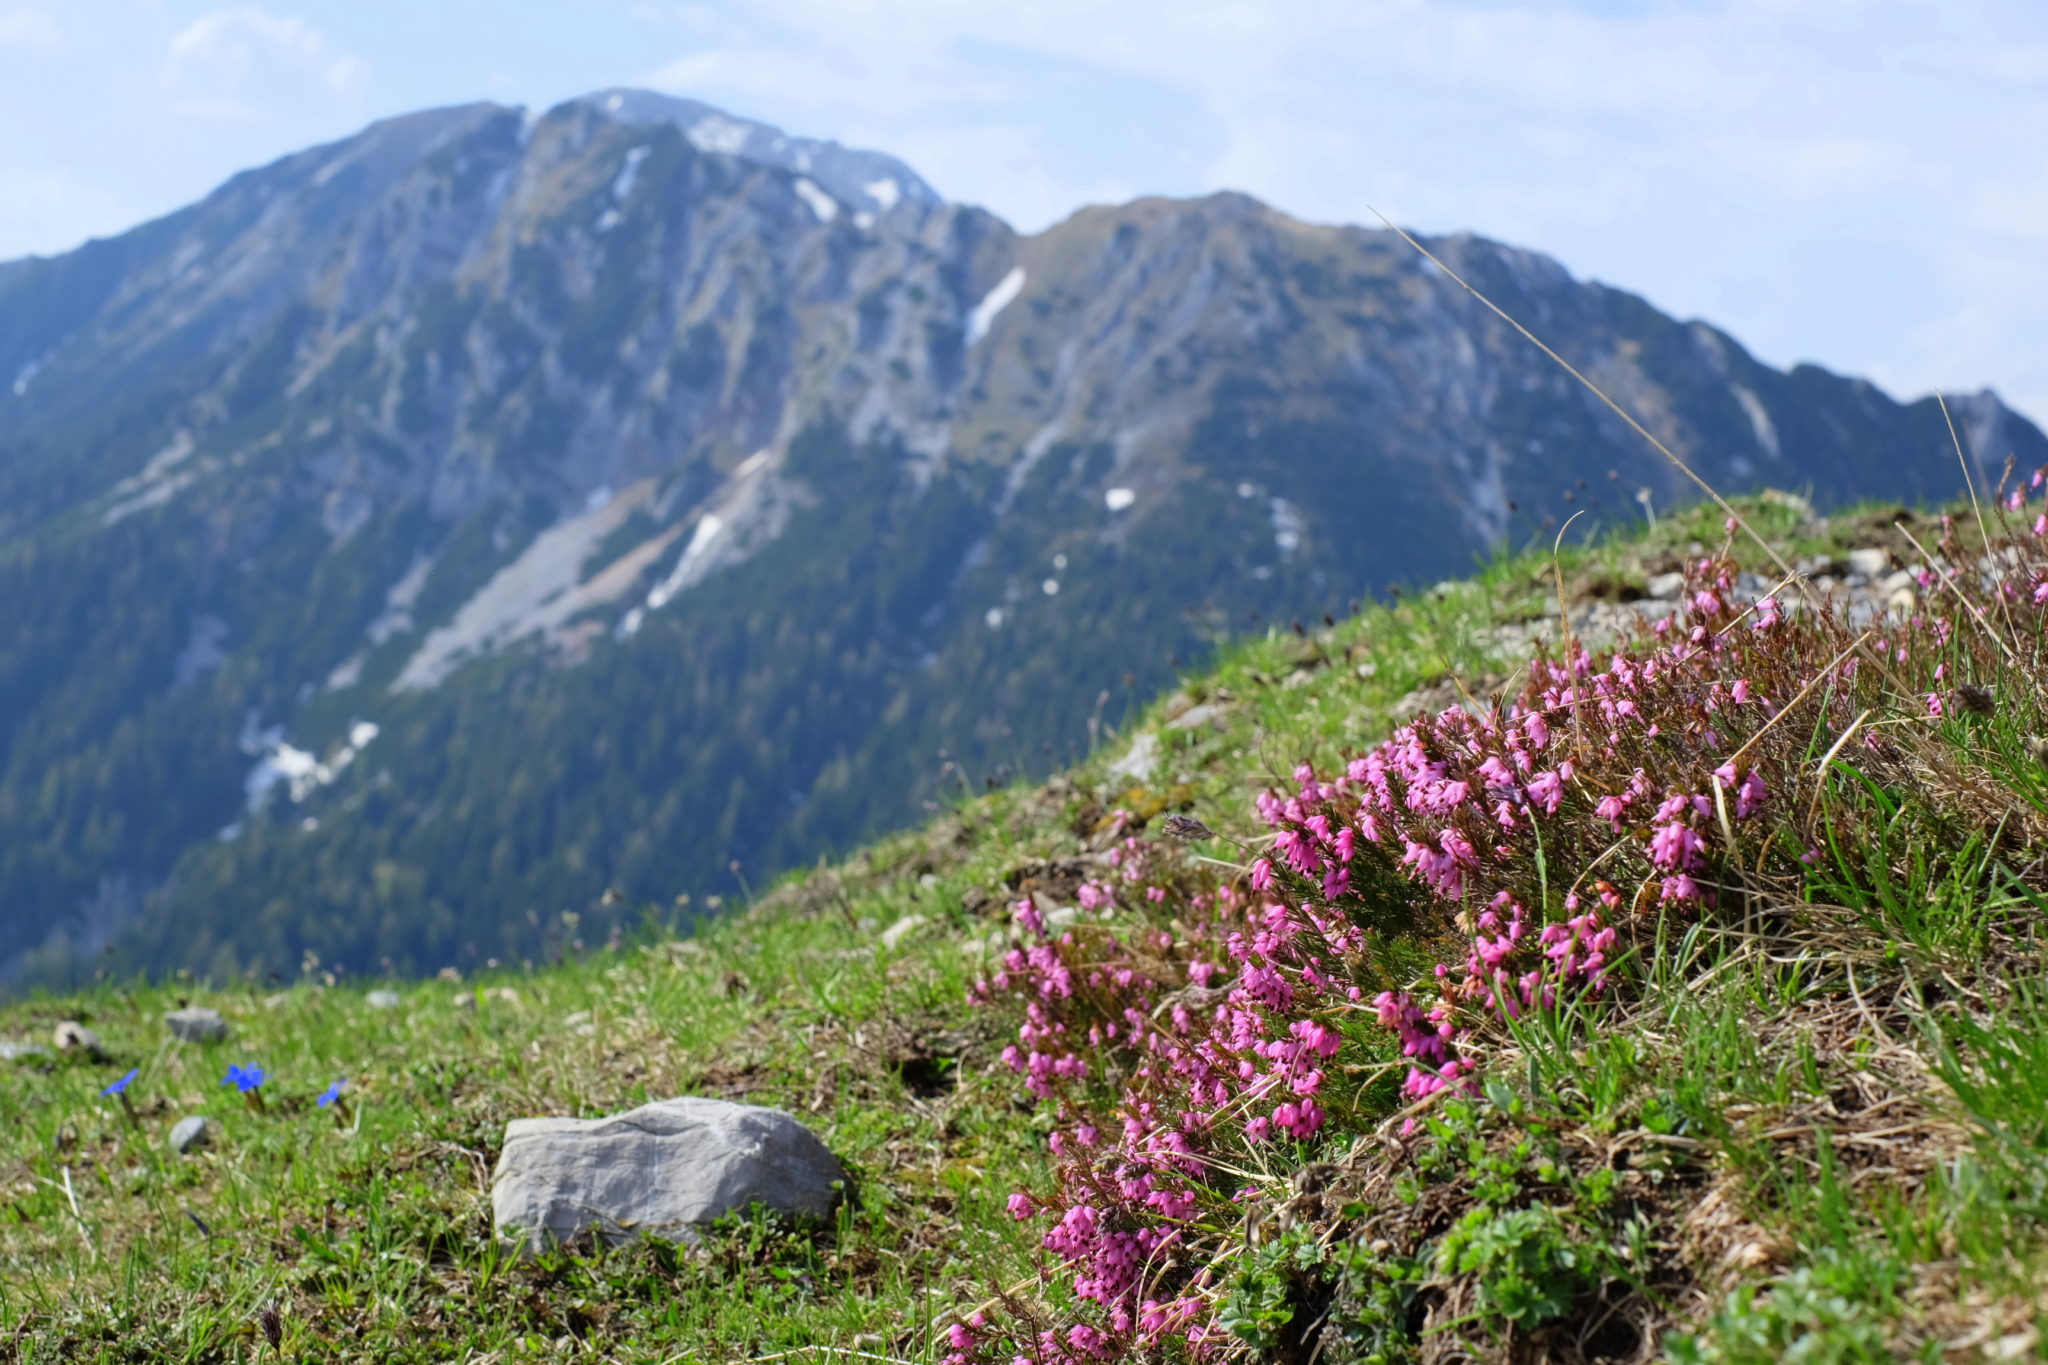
[
  {"x": 191, "y": 1134},
  {"x": 196, "y": 1024}
]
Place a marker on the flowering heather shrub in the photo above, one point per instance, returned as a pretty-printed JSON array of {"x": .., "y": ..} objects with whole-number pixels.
[{"x": 1222, "y": 1035}]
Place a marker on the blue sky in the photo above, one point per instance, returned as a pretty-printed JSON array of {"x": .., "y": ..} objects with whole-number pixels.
[{"x": 1859, "y": 182}]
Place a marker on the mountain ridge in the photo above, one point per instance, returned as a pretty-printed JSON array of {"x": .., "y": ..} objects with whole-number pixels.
[{"x": 659, "y": 514}]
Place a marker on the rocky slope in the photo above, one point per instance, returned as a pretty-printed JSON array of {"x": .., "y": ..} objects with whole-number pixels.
[{"x": 426, "y": 534}]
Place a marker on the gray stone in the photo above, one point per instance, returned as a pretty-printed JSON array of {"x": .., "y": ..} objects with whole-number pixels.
[
  {"x": 191, "y": 1134},
  {"x": 72, "y": 1036},
  {"x": 196, "y": 1024},
  {"x": 662, "y": 1169},
  {"x": 1666, "y": 587},
  {"x": 382, "y": 1000},
  {"x": 893, "y": 936},
  {"x": 11, "y": 1051},
  {"x": 1194, "y": 717},
  {"x": 1869, "y": 563}
]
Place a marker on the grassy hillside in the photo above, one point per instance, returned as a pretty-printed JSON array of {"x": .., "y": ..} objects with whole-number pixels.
[{"x": 1765, "y": 1077}]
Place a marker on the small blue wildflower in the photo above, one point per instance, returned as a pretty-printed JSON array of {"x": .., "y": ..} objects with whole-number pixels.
[
  {"x": 120, "y": 1086},
  {"x": 331, "y": 1093},
  {"x": 244, "y": 1078}
]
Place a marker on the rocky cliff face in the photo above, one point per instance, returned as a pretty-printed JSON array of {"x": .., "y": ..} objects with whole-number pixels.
[{"x": 426, "y": 533}]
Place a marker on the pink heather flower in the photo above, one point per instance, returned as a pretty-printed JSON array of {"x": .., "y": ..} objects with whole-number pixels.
[
  {"x": 1262, "y": 874},
  {"x": 1750, "y": 796},
  {"x": 1739, "y": 693},
  {"x": 1020, "y": 1209},
  {"x": 1934, "y": 704},
  {"x": 2041, "y": 589},
  {"x": 1026, "y": 914},
  {"x": 1610, "y": 809},
  {"x": 1546, "y": 789},
  {"x": 1675, "y": 846}
]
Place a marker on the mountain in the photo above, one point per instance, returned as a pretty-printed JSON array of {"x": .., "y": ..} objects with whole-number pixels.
[{"x": 427, "y": 534}]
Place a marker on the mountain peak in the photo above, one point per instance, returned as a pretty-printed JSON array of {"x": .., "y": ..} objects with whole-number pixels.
[{"x": 868, "y": 182}]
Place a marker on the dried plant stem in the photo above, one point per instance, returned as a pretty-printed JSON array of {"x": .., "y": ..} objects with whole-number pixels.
[
  {"x": 1824, "y": 675},
  {"x": 84, "y": 1228},
  {"x": 1969, "y": 482},
  {"x": 1820, "y": 775},
  {"x": 1940, "y": 571},
  {"x": 1564, "y": 616},
  {"x": 1599, "y": 393}
]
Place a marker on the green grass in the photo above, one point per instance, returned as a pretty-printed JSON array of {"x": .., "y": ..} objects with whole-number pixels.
[{"x": 1818, "y": 1139}]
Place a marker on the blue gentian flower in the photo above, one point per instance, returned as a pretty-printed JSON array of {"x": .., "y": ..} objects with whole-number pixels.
[
  {"x": 244, "y": 1078},
  {"x": 121, "y": 1085},
  {"x": 331, "y": 1093}
]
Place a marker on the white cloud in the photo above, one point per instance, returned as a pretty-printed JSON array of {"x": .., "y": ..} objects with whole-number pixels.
[
  {"x": 30, "y": 28},
  {"x": 219, "y": 60}
]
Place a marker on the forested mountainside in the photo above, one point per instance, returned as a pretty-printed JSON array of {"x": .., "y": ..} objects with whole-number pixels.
[{"x": 433, "y": 532}]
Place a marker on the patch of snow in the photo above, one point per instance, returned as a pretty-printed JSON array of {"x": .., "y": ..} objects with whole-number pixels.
[
  {"x": 615, "y": 103},
  {"x": 1117, "y": 499},
  {"x": 885, "y": 192},
  {"x": 863, "y": 220},
  {"x": 25, "y": 376},
  {"x": 599, "y": 496},
  {"x": 1245, "y": 490},
  {"x": 994, "y": 617},
  {"x": 161, "y": 463},
  {"x": 630, "y": 624},
  {"x": 751, "y": 509},
  {"x": 622, "y": 183},
  {"x": 1759, "y": 420},
  {"x": 707, "y": 531},
  {"x": 983, "y": 315},
  {"x": 1059, "y": 561},
  {"x": 155, "y": 495},
  {"x": 822, "y": 204},
  {"x": 1287, "y": 526},
  {"x": 1051, "y": 587},
  {"x": 717, "y": 133},
  {"x": 295, "y": 769},
  {"x": 607, "y": 220}
]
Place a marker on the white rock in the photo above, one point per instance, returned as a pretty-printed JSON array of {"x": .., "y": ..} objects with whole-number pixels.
[
  {"x": 662, "y": 1169},
  {"x": 1139, "y": 761},
  {"x": 196, "y": 1024},
  {"x": 382, "y": 1000},
  {"x": 72, "y": 1036},
  {"x": 1869, "y": 563},
  {"x": 11, "y": 1051},
  {"x": 1666, "y": 587},
  {"x": 893, "y": 936}
]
